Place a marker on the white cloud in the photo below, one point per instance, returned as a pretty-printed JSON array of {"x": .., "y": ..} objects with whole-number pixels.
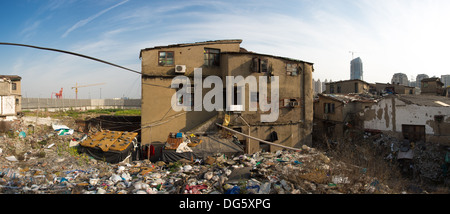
[{"x": 83, "y": 22}]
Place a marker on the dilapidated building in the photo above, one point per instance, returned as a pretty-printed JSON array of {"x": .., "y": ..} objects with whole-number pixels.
[
  {"x": 347, "y": 86},
  {"x": 413, "y": 117},
  {"x": 222, "y": 58},
  {"x": 335, "y": 113},
  {"x": 432, "y": 86},
  {"x": 10, "y": 94}
]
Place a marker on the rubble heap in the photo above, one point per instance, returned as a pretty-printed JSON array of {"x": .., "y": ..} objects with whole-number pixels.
[{"x": 44, "y": 163}]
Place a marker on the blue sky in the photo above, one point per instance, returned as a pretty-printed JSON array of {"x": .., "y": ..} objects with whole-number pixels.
[{"x": 408, "y": 36}]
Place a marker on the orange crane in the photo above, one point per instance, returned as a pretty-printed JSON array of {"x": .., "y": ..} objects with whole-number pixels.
[
  {"x": 58, "y": 95},
  {"x": 80, "y": 86}
]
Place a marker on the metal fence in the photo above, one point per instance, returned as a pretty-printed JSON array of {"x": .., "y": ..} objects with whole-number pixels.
[{"x": 78, "y": 104}]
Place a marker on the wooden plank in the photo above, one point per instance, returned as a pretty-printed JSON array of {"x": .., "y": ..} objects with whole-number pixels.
[{"x": 262, "y": 141}]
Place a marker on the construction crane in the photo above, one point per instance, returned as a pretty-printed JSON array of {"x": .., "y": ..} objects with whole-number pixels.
[
  {"x": 81, "y": 86},
  {"x": 352, "y": 52}
]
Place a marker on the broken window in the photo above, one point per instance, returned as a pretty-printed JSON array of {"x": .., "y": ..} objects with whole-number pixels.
[
  {"x": 260, "y": 65},
  {"x": 165, "y": 58},
  {"x": 290, "y": 103},
  {"x": 329, "y": 108},
  {"x": 264, "y": 65},
  {"x": 291, "y": 69},
  {"x": 212, "y": 57}
]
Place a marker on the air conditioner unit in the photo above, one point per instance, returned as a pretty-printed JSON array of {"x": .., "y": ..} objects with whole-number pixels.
[
  {"x": 236, "y": 108},
  {"x": 180, "y": 69}
]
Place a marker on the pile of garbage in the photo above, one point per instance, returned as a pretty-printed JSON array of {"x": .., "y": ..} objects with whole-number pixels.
[
  {"x": 426, "y": 161},
  {"x": 45, "y": 159},
  {"x": 48, "y": 165}
]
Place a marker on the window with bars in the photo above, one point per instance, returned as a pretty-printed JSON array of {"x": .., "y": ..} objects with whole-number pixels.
[
  {"x": 166, "y": 58},
  {"x": 212, "y": 57}
]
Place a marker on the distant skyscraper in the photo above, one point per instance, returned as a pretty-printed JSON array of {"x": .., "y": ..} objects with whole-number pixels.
[
  {"x": 324, "y": 86},
  {"x": 356, "y": 69},
  {"x": 419, "y": 79},
  {"x": 400, "y": 78},
  {"x": 318, "y": 86},
  {"x": 446, "y": 80}
]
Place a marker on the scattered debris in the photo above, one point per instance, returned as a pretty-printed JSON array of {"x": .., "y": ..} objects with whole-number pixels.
[{"x": 26, "y": 168}]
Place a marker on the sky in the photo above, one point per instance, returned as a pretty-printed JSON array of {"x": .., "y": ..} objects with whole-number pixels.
[{"x": 404, "y": 36}]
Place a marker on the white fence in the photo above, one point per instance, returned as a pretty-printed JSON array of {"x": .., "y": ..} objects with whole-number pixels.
[{"x": 78, "y": 104}]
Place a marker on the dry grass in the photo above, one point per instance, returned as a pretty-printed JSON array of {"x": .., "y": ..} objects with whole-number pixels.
[{"x": 363, "y": 160}]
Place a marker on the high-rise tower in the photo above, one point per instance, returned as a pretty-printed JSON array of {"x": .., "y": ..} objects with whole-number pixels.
[{"x": 356, "y": 69}]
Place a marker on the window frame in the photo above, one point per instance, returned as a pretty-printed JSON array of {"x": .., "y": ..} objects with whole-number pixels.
[
  {"x": 165, "y": 58},
  {"x": 329, "y": 108},
  {"x": 211, "y": 59}
]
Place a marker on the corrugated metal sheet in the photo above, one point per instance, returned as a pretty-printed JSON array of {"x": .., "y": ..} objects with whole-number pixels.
[{"x": 110, "y": 140}]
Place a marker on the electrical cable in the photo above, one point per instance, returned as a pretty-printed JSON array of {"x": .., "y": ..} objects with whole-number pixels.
[{"x": 71, "y": 53}]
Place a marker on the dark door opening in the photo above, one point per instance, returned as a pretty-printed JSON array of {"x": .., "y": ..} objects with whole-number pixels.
[{"x": 413, "y": 132}]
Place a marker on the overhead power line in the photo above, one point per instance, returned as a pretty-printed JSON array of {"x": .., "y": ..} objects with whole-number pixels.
[{"x": 72, "y": 53}]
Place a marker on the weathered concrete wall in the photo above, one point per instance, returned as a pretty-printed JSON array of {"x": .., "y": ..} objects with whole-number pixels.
[
  {"x": 391, "y": 113},
  {"x": 191, "y": 56},
  {"x": 347, "y": 87},
  {"x": 294, "y": 125}
]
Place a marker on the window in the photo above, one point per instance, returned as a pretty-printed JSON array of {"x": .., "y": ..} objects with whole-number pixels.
[
  {"x": 329, "y": 108},
  {"x": 291, "y": 69},
  {"x": 212, "y": 57},
  {"x": 260, "y": 65},
  {"x": 339, "y": 89},
  {"x": 165, "y": 58},
  {"x": 264, "y": 65},
  {"x": 356, "y": 87},
  {"x": 331, "y": 89},
  {"x": 14, "y": 86}
]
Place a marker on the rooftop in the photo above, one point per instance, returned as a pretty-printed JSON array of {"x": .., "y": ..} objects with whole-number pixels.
[
  {"x": 267, "y": 55},
  {"x": 425, "y": 100},
  {"x": 433, "y": 79},
  {"x": 342, "y": 81},
  {"x": 224, "y": 41},
  {"x": 352, "y": 97},
  {"x": 10, "y": 77}
]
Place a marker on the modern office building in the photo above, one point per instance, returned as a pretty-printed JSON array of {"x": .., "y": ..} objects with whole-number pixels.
[{"x": 356, "y": 69}]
